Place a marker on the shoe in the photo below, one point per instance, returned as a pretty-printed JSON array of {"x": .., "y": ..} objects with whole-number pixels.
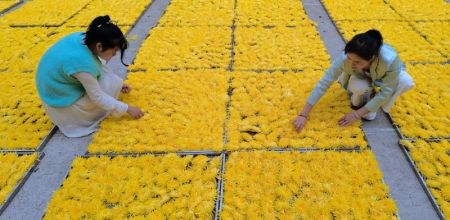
[{"x": 370, "y": 116}]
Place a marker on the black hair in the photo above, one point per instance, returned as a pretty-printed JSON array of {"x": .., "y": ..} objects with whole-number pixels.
[
  {"x": 365, "y": 45},
  {"x": 102, "y": 30}
]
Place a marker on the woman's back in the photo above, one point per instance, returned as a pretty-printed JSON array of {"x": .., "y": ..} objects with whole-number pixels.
[{"x": 55, "y": 84}]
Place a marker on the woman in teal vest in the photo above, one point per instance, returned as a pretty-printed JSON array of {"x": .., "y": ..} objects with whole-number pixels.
[
  {"x": 77, "y": 88},
  {"x": 365, "y": 63}
]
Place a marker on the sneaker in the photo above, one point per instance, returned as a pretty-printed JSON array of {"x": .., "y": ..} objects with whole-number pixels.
[{"x": 370, "y": 116}]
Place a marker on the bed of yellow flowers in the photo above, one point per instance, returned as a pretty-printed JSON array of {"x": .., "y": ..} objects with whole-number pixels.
[
  {"x": 5, "y": 4},
  {"x": 433, "y": 161},
  {"x": 27, "y": 60},
  {"x": 145, "y": 187},
  {"x": 312, "y": 185},
  {"x": 23, "y": 123},
  {"x": 12, "y": 169},
  {"x": 351, "y": 10},
  {"x": 264, "y": 104},
  {"x": 123, "y": 12},
  {"x": 424, "y": 111},
  {"x": 32, "y": 13},
  {"x": 185, "y": 110},
  {"x": 278, "y": 48},
  {"x": 184, "y": 47},
  {"x": 198, "y": 13},
  {"x": 271, "y": 13},
  {"x": 17, "y": 41},
  {"x": 399, "y": 34},
  {"x": 420, "y": 10},
  {"x": 437, "y": 33},
  {"x": 421, "y": 35}
]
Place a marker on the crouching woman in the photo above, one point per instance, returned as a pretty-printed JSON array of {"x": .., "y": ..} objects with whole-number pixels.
[{"x": 76, "y": 87}]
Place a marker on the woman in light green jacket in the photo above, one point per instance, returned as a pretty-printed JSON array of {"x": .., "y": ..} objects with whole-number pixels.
[{"x": 366, "y": 62}]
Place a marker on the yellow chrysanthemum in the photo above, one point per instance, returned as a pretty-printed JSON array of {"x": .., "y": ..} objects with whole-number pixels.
[
  {"x": 23, "y": 123},
  {"x": 351, "y": 10},
  {"x": 198, "y": 13},
  {"x": 433, "y": 162},
  {"x": 399, "y": 34},
  {"x": 122, "y": 12},
  {"x": 269, "y": 13},
  {"x": 146, "y": 186},
  {"x": 12, "y": 169},
  {"x": 263, "y": 105},
  {"x": 187, "y": 47},
  {"x": 293, "y": 185},
  {"x": 279, "y": 48},
  {"x": 185, "y": 110},
  {"x": 424, "y": 111},
  {"x": 41, "y": 13}
]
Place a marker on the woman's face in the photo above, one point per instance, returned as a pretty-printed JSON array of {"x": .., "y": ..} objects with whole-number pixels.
[
  {"x": 357, "y": 63},
  {"x": 106, "y": 54}
]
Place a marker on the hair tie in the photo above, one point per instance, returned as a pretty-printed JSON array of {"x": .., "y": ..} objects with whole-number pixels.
[{"x": 108, "y": 22}]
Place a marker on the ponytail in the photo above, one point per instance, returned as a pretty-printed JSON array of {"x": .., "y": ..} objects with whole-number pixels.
[
  {"x": 102, "y": 30},
  {"x": 375, "y": 34},
  {"x": 366, "y": 45}
]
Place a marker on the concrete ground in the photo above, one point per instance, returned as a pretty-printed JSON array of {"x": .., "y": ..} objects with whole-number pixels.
[{"x": 32, "y": 200}]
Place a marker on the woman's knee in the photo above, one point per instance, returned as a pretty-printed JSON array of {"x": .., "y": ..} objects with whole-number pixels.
[
  {"x": 111, "y": 84},
  {"x": 359, "y": 86},
  {"x": 405, "y": 82}
]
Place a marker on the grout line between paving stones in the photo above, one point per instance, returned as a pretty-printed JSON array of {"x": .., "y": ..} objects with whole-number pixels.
[
  {"x": 227, "y": 111},
  {"x": 162, "y": 153},
  {"x": 233, "y": 31},
  {"x": 219, "y": 200},
  {"x": 44, "y": 142},
  {"x": 12, "y": 7},
  {"x": 396, "y": 128},
  {"x": 19, "y": 151},
  {"x": 39, "y": 148},
  {"x": 429, "y": 62},
  {"x": 21, "y": 182},
  {"x": 217, "y": 153},
  {"x": 404, "y": 137},
  {"x": 221, "y": 68}
]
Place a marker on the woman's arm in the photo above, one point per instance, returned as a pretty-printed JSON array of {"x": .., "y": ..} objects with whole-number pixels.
[
  {"x": 388, "y": 85},
  {"x": 331, "y": 75},
  {"x": 99, "y": 97}
]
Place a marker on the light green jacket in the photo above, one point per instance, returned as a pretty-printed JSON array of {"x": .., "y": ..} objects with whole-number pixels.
[{"x": 384, "y": 72}]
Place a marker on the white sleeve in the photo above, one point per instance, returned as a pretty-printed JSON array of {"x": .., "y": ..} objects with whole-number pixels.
[{"x": 99, "y": 97}]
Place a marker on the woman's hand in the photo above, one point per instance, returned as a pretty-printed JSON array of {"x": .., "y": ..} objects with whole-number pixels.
[
  {"x": 125, "y": 89},
  {"x": 134, "y": 112},
  {"x": 348, "y": 119},
  {"x": 299, "y": 122}
]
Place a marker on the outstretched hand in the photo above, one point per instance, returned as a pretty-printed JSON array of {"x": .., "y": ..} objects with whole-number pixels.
[
  {"x": 299, "y": 122},
  {"x": 348, "y": 119},
  {"x": 125, "y": 89}
]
